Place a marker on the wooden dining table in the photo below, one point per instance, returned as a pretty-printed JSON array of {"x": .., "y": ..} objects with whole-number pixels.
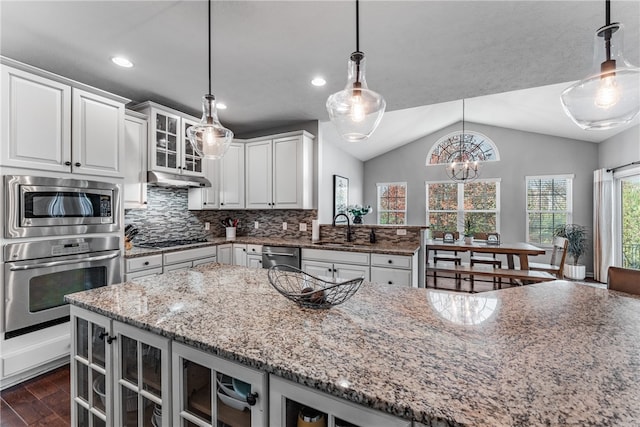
[{"x": 520, "y": 249}]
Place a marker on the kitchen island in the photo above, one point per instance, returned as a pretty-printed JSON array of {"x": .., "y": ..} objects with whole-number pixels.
[{"x": 555, "y": 353}]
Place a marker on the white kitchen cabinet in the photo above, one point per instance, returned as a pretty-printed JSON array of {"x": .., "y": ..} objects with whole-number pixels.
[
  {"x": 205, "y": 395},
  {"x": 398, "y": 270},
  {"x": 142, "y": 266},
  {"x": 254, "y": 256},
  {"x": 240, "y": 254},
  {"x": 187, "y": 258},
  {"x": 336, "y": 264},
  {"x": 169, "y": 148},
  {"x": 231, "y": 177},
  {"x": 49, "y": 125},
  {"x": 135, "y": 161},
  {"x": 279, "y": 172},
  {"x": 207, "y": 198},
  {"x": 114, "y": 360},
  {"x": 225, "y": 253},
  {"x": 288, "y": 399}
]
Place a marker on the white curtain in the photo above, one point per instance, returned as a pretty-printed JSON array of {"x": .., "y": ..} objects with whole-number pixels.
[{"x": 602, "y": 223}]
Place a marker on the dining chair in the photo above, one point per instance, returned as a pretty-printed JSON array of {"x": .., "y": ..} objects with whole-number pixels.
[
  {"x": 624, "y": 280},
  {"x": 486, "y": 259},
  {"x": 446, "y": 255},
  {"x": 558, "y": 255}
]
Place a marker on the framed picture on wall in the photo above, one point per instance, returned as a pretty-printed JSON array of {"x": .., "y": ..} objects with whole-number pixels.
[{"x": 340, "y": 197}]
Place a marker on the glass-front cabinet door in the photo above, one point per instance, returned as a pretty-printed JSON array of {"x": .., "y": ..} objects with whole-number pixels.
[
  {"x": 191, "y": 161},
  {"x": 166, "y": 150},
  {"x": 293, "y": 405},
  {"x": 213, "y": 392},
  {"x": 142, "y": 379},
  {"x": 90, "y": 365}
]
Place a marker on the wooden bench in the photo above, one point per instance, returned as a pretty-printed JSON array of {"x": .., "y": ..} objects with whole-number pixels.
[{"x": 526, "y": 276}]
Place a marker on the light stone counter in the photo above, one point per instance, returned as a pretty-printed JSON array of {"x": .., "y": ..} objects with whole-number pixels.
[{"x": 554, "y": 353}]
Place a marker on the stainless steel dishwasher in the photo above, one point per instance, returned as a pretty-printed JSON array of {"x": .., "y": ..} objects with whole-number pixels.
[{"x": 280, "y": 255}]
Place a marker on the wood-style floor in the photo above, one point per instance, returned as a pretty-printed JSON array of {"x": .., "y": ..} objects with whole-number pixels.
[{"x": 41, "y": 401}]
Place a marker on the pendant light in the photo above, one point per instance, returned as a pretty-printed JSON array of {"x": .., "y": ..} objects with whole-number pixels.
[
  {"x": 610, "y": 96},
  {"x": 464, "y": 165},
  {"x": 356, "y": 111},
  {"x": 209, "y": 138}
]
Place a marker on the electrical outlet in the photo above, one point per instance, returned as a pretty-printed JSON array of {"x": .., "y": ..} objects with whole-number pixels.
[
  {"x": 284, "y": 225},
  {"x": 303, "y": 226},
  {"x": 401, "y": 232},
  {"x": 207, "y": 225},
  {"x": 256, "y": 224}
]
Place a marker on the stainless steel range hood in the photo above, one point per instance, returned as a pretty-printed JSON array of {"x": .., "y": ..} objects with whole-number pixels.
[{"x": 163, "y": 179}]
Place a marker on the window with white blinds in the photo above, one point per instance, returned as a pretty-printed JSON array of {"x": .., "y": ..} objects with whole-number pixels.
[{"x": 549, "y": 205}]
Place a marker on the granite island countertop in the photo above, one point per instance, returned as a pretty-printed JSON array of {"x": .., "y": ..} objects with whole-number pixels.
[
  {"x": 389, "y": 248},
  {"x": 554, "y": 353}
]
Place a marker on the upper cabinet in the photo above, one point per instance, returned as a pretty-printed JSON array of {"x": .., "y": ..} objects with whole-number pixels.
[
  {"x": 135, "y": 162},
  {"x": 169, "y": 148},
  {"x": 49, "y": 125},
  {"x": 279, "y": 172},
  {"x": 231, "y": 182}
]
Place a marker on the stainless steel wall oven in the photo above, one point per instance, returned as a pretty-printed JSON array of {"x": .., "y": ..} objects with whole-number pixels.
[
  {"x": 42, "y": 206},
  {"x": 39, "y": 273}
]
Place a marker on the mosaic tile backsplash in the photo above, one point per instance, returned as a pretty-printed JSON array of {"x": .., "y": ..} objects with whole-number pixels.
[{"x": 167, "y": 217}]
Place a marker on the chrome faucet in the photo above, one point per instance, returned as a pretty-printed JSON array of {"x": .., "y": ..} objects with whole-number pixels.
[{"x": 349, "y": 232}]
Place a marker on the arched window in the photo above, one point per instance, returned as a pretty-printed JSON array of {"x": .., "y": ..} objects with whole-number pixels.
[{"x": 476, "y": 146}]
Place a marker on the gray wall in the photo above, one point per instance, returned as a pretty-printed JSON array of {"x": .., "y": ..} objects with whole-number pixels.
[
  {"x": 521, "y": 154},
  {"x": 620, "y": 149},
  {"x": 334, "y": 161}
]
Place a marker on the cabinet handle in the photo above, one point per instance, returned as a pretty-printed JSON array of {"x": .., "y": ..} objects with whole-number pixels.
[
  {"x": 67, "y": 163},
  {"x": 103, "y": 335},
  {"x": 110, "y": 339},
  {"x": 252, "y": 398},
  {"x": 77, "y": 164},
  {"x": 390, "y": 261}
]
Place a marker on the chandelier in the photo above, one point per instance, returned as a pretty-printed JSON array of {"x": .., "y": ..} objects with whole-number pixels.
[{"x": 464, "y": 164}]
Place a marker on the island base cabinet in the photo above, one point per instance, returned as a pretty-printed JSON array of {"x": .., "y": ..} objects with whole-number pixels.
[
  {"x": 120, "y": 374},
  {"x": 289, "y": 402},
  {"x": 214, "y": 392}
]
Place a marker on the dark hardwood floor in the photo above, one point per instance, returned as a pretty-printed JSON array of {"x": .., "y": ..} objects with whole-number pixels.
[{"x": 41, "y": 401}]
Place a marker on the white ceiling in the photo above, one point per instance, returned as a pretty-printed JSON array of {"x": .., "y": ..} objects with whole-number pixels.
[{"x": 422, "y": 56}]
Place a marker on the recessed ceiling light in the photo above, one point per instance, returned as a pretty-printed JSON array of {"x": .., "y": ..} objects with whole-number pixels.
[
  {"x": 318, "y": 81},
  {"x": 221, "y": 106},
  {"x": 122, "y": 61}
]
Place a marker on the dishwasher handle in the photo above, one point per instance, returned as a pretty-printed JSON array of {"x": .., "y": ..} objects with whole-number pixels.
[{"x": 281, "y": 254}]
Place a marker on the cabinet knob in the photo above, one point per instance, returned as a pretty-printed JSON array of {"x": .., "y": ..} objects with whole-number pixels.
[
  {"x": 252, "y": 398},
  {"x": 204, "y": 203},
  {"x": 110, "y": 340},
  {"x": 146, "y": 263},
  {"x": 244, "y": 250},
  {"x": 103, "y": 335},
  {"x": 67, "y": 163},
  {"x": 390, "y": 282},
  {"x": 77, "y": 164},
  {"x": 221, "y": 204},
  {"x": 144, "y": 203},
  {"x": 390, "y": 261}
]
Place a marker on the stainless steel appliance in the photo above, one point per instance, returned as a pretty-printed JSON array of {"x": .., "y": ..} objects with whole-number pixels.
[
  {"x": 39, "y": 274},
  {"x": 42, "y": 206},
  {"x": 280, "y": 255}
]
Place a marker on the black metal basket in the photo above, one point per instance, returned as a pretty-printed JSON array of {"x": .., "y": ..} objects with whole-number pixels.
[{"x": 310, "y": 291}]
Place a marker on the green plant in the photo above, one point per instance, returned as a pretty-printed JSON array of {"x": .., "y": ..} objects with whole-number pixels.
[
  {"x": 469, "y": 227},
  {"x": 577, "y": 237}
]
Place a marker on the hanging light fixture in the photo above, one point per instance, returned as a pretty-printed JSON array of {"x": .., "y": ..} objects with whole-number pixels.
[
  {"x": 464, "y": 165},
  {"x": 356, "y": 111},
  {"x": 209, "y": 138},
  {"x": 610, "y": 96}
]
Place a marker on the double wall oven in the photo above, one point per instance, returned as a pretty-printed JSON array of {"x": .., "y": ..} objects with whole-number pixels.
[{"x": 60, "y": 236}]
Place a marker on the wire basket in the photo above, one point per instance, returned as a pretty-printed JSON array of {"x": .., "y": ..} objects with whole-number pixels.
[{"x": 310, "y": 291}]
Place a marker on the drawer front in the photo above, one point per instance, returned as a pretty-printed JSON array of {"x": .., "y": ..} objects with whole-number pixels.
[
  {"x": 391, "y": 276},
  {"x": 204, "y": 261},
  {"x": 175, "y": 267},
  {"x": 393, "y": 261},
  {"x": 254, "y": 249},
  {"x": 143, "y": 263},
  {"x": 344, "y": 257},
  {"x": 143, "y": 273},
  {"x": 189, "y": 255}
]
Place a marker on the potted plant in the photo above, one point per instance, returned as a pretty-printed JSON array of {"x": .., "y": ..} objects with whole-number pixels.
[
  {"x": 469, "y": 229},
  {"x": 358, "y": 212},
  {"x": 577, "y": 237}
]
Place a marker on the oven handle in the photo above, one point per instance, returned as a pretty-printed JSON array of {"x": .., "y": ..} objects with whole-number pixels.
[{"x": 65, "y": 262}]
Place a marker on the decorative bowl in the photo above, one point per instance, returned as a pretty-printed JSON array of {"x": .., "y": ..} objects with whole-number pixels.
[{"x": 310, "y": 291}]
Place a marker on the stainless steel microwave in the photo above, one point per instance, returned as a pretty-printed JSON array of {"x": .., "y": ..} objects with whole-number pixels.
[{"x": 43, "y": 206}]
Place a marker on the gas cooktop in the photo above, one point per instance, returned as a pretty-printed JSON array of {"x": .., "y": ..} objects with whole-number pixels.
[{"x": 169, "y": 243}]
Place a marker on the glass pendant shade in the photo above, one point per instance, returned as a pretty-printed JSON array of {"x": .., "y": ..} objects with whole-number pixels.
[
  {"x": 209, "y": 138},
  {"x": 356, "y": 111},
  {"x": 610, "y": 95}
]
